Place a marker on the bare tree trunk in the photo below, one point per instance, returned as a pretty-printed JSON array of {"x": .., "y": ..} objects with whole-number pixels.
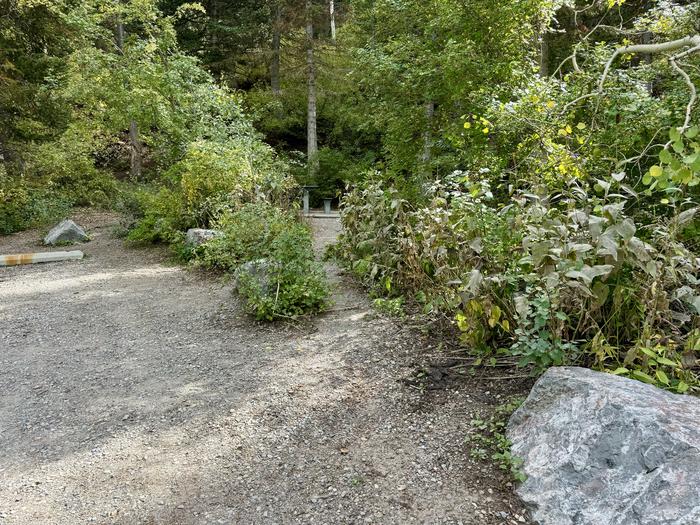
[
  {"x": 134, "y": 145},
  {"x": 120, "y": 36},
  {"x": 312, "y": 139},
  {"x": 331, "y": 8},
  {"x": 646, "y": 39},
  {"x": 426, "y": 157},
  {"x": 544, "y": 56},
  {"x": 276, "y": 40},
  {"x": 214, "y": 38},
  {"x": 4, "y": 157},
  {"x": 136, "y": 159}
]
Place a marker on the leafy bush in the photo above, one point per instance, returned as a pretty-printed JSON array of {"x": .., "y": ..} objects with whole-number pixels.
[
  {"x": 284, "y": 280},
  {"x": 249, "y": 234},
  {"x": 23, "y": 206},
  {"x": 66, "y": 166},
  {"x": 212, "y": 179},
  {"x": 296, "y": 283},
  {"x": 561, "y": 279},
  {"x": 58, "y": 176},
  {"x": 214, "y": 175},
  {"x": 159, "y": 220}
]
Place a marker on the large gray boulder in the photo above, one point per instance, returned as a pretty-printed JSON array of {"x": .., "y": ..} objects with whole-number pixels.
[
  {"x": 605, "y": 450},
  {"x": 65, "y": 232},
  {"x": 198, "y": 236}
]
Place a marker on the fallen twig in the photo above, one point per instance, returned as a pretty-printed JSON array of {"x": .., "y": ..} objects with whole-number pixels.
[{"x": 503, "y": 378}]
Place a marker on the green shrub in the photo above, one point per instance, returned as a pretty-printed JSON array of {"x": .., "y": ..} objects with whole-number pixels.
[
  {"x": 66, "y": 166},
  {"x": 296, "y": 283},
  {"x": 59, "y": 175},
  {"x": 240, "y": 189},
  {"x": 292, "y": 283},
  {"x": 15, "y": 202},
  {"x": 571, "y": 280},
  {"x": 248, "y": 234},
  {"x": 22, "y": 206},
  {"x": 159, "y": 220},
  {"x": 213, "y": 179},
  {"x": 238, "y": 170}
]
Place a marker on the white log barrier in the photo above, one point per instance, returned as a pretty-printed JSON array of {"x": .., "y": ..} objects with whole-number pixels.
[{"x": 32, "y": 258}]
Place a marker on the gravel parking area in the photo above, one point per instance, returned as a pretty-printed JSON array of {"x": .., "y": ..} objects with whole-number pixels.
[{"x": 136, "y": 391}]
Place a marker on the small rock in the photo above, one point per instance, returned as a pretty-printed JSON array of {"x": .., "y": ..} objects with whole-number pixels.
[
  {"x": 259, "y": 272},
  {"x": 198, "y": 236},
  {"x": 65, "y": 232}
]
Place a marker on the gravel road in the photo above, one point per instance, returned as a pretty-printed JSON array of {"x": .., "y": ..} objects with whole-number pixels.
[{"x": 136, "y": 391}]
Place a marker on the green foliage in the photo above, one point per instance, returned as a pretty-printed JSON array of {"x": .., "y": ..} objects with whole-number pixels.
[
  {"x": 419, "y": 65},
  {"x": 284, "y": 280},
  {"x": 218, "y": 176},
  {"x": 679, "y": 166},
  {"x": 393, "y": 307},
  {"x": 72, "y": 90},
  {"x": 657, "y": 360},
  {"x": 211, "y": 179},
  {"x": 249, "y": 233},
  {"x": 348, "y": 140},
  {"x": 296, "y": 282},
  {"x": 489, "y": 439},
  {"x": 535, "y": 340},
  {"x": 67, "y": 167},
  {"x": 159, "y": 218},
  {"x": 22, "y": 206},
  {"x": 549, "y": 279},
  {"x": 569, "y": 234}
]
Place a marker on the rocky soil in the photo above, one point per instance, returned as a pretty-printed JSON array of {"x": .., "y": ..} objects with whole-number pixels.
[{"x": 136, "y": 391}]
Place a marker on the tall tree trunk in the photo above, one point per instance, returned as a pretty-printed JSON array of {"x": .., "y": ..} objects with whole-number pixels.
[
  {"x": 119, "y": 35},
  {"x": 136, "y": 160},
  {"x": 212, "y": 32},
  {"x": 544, "y": 55},
  {"x": 4, "y": 157},
  {"x": 311, "y": 138},
  {"x": 426, "y": 157},
  {"x": 134, "y": 145},
  {"x": 646, "y": 39},
  {"x": 331, "y": 8},
  {"x": 276, "y": 40}
]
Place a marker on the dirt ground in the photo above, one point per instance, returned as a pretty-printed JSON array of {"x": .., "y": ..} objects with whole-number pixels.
[{"x": 137, "y": 391}]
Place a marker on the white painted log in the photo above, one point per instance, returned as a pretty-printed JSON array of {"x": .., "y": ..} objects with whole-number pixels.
[{"x": 32, "y": 258}]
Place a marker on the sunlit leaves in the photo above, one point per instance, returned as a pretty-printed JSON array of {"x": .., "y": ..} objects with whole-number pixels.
[
  {"x": 615, "y": 3},
  {"x": 679, "y": 166}
]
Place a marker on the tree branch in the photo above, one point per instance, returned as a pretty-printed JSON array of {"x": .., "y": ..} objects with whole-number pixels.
[
  {"x": 689, "y": 83},
  {"x": 689, "y": 41}
]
